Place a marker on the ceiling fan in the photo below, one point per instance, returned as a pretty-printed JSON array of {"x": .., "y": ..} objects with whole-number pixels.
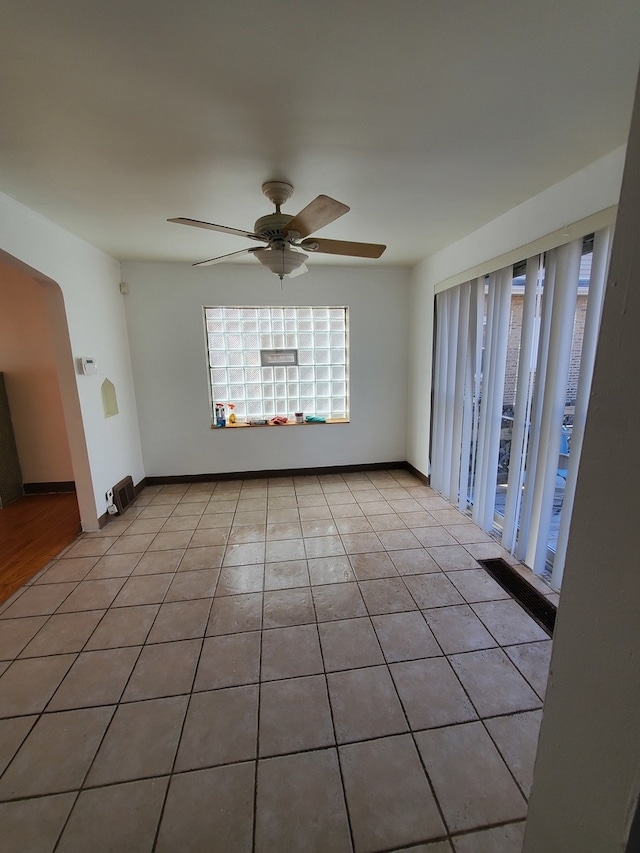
[{"x": 287, "y": 237}]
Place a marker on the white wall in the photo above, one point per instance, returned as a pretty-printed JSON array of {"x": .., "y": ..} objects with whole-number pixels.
[
  {"x": 587, "y": 775},
  {"x": 27, "y": 358},
  {"x": 165, "y": 319},
  {"x": 86, "y": 312},
  {"x": 547, "y": 218}
]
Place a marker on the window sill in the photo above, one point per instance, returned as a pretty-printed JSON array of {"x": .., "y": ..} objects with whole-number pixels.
[{"x": 243, "y": 425}]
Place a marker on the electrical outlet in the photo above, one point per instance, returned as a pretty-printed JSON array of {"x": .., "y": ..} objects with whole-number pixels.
[{"x": 109, "y": 496}]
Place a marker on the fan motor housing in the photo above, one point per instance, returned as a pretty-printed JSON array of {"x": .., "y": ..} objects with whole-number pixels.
[{"x": 271, "y": 227}]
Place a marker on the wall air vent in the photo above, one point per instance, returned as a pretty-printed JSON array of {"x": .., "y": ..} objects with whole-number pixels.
[
  {"x": 535, "y": 603},
  {"x": 124, "y": 494}
]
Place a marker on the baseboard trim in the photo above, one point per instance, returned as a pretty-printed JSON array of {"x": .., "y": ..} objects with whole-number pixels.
[
  {"x": 422, "y": 477},
  {"x": 281, "y": 472},
  {"x": 65, "y": 486}
]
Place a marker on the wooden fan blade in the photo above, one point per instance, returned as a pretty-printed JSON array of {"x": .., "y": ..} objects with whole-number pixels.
[
  {"x": 343, "y": 247},
  {"x": 222, "y": 258},
  {"x": 318, "y": 213},
  {"x": 211, "y": 227}
]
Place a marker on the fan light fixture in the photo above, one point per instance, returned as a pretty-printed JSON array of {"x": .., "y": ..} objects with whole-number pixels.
[{"x": 281, "y": 261}]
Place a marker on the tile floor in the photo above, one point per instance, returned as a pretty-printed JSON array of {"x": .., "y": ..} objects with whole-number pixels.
[{"x": 292, "y": 664}]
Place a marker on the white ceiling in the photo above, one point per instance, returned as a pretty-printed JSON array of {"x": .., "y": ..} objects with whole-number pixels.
[{"x": 427, "y": 117}]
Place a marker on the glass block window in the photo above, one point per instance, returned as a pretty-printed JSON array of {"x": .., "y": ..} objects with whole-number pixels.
[{"x": 317, "y": 385}]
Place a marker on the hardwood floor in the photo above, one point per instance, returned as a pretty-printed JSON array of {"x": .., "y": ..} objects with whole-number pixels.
[{"x": 33, "y": 530}]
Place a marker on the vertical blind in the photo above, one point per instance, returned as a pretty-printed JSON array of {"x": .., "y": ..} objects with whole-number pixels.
[{"x": 472, "y": 331}]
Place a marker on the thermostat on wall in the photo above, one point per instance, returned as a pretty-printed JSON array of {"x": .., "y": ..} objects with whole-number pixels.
[{"x": 87, "y": 365}]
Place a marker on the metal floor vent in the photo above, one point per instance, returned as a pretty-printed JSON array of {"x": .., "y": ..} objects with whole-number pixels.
[
  {"x": 124, "y": 494},
  {"x": 535, "y": 603}
]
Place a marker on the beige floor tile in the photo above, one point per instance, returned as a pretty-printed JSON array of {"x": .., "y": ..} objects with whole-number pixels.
[
  {"x": 447, "y": 516},
  {"x": 458, "y": 629},
  {"x": 493, "y": 683},
  {"x": 330, "y": 570},
  {"x": 460, "y": 760},
  {"x": 433, "y": 590},
  {"x": 295, "y": 715},
  {"x": 387, "y": 522},
  {"x": 433, "y": 535},
  {"x": 286, "y": 575},
  {"x": 215, "y": 519},
  {"x": 315, "y": 511},
  {"x": 39, "y": 600},
  {"x": 284, "y": 529},
  {"x": 171, "y": 541},
  {"x": 200, "y": 583},
  {"x": 288, "y": 607},
  {"x": 350, "y": 510},
  {"x": 377, "y": 564},
  {"x": 508, "y": 622},
  {"x": 349, "y": 643},
  {"x": 285, "y": 550},
  {"x": 180, "y": 620},
  {"x": 300, "y": 804},
  {"x": 157, "y": 562},
  {"x": 202, "y": 558},
  {"x": 221, "y": 727},
  {"x": 532, "y": 659},
  {"x": 123, "y": 626},
  {"x": 96, "y": 678},
  {"x": 405, "y": 636},
  {"x": 282, "y": 501},
  {"x": 92, "y": 595},
  {"x": 166, "y": 669},
  {"x": 278, "y": 516},
  {"x": 57, "y": 753},
  {"x": 419, "y": 519},
  {"x": 433, "y": 847},
  {"x": 115, "y": 566},
  {"x": 431, "y": 694},
  {"x": 318, "y": 527},
  {"x": 141, "y": 741},
  {"x": 365, "y": 704},
  {"x": 323, "y": 546},
  {"x": 500, "y": 839},
  {"x": 34, "y": 825},
  {"x": 466, "y": 533},
  {"x": 71, "y": 569},
  {"x": 15, "y": 634},
  {"x": 244, "y": 555},
  {"x": 476, "y": 585},
  {"x": 252, "y": 504},
  {"x": 398, "y": 540},
  {"x": 452, "y": 557},
  {"x": 389, "y": 799},
  {"x": 229, "y": 661},
  {"x": 155, "y": 511},
  {"x": 414, "y": 561},
  {"x": 517, "y": 740},
  {"x": 370, "y": 508},
  {"x": 239, "y": 534},
  {"x": 488, "y": 551},
  {"x": 340, "y": 499},
  {"x": 354, "y": 524},
  {"x": 207, "y": 807},
  {"x": 27, "y": 685},
  {"x": 235, "y": 613},
  {"x": 433, "y": 501},
  {"x": 12, "y": 732},
  {"x": 133, "y": 544},
  {"x": 244, "y": 517},
  {"x": 120, "y": 817},
  {"x": 235, "y": 580},
  {"x": 221, "y": 505},
  {"x": 64, "y": 633},
  {"x": 90, "y": 546},
  {"x": 315, "y": 498},
  {"x": 361, "y": 543},
  {"x": 190, "y": 507},
  {"x": 143, "y": 589},
  {"x": 290, "y": 652},
  {"x": 338, "y": 601},
  {"x": 145, "y": 525},
  {"x": 387, "y": 595}
]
